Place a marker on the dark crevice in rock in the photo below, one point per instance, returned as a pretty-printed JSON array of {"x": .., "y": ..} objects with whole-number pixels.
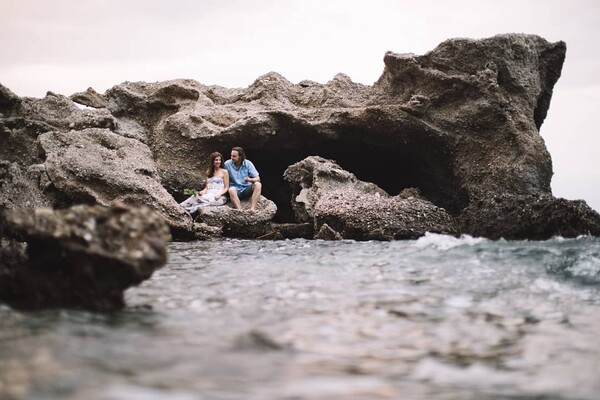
[{"x": 419, "y": 161}]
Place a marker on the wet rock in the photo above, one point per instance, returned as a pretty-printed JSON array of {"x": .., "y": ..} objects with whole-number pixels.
[
  {"x": 529, "y": 217},
  {"x": 342, "y": 206},
  {"x": 84, "y": 256},
  {"x": 294, "y": 230},
  {"x": 327, "y": 233},
  {"x": 203, "y": 231},
  {"x": 271, "y": 235}
]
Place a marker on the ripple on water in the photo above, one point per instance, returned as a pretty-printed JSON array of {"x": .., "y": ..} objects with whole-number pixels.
[{"x": 439, "y": 317}]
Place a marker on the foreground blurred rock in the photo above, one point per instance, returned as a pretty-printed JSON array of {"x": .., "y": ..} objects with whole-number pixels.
[
  {"x": 459, "y": 125},
  {"x": 84, "y": 256}
]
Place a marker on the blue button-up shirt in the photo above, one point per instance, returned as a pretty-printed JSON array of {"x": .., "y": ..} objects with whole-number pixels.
[{"x": 237, "y": 176}]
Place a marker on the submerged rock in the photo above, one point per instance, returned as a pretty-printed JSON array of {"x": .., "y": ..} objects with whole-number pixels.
[{"x": 84, "y": 256}]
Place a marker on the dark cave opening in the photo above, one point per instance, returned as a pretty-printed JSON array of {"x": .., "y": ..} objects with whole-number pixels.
[{"x": 418, "y": 160}]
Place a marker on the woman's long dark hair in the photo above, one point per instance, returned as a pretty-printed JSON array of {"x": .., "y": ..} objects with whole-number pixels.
[{"x": 210, "y": 171}]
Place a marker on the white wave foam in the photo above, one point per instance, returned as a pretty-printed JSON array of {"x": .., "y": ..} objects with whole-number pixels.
[
  {"x": 438, "y": 372},
  {"x": 587, "y": 267},
  {"x": 446, "y": 242},
  {"x": 134, "y": 392}
]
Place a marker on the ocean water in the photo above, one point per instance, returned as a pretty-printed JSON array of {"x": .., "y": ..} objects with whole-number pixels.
[{"x": 435, "y": 318}]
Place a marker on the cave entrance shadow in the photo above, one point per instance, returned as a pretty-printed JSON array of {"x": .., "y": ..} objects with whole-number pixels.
[{"x": 415, "y": 161}]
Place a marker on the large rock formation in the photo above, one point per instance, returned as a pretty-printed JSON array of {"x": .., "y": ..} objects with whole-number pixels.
[
  {"x": 459, "y": 124},
  {"x": 98, "y": 166},
  {"x": 84, "y": 256}
]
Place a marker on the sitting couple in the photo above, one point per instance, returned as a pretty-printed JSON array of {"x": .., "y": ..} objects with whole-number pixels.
[{"x": 239, "y": 178}]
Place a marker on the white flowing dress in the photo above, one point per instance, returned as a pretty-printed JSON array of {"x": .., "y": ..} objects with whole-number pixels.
[{"x": 214, "y": 185}]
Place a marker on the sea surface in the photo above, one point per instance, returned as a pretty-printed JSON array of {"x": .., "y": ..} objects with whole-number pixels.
[{"x": 434, "y": 318}]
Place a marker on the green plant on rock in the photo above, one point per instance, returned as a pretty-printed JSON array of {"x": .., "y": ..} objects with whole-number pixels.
[{"x": 189, "y": 192}]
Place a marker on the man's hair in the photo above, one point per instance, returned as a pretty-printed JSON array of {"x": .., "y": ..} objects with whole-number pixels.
[{"x": 240, "y": 152}]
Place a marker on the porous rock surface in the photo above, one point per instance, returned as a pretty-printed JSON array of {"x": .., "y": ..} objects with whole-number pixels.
[
  {"x": 98, "y": 166},
  {"x": 341, "y": 206},
  {"x": 539, "y": 218},
  {"x": 460, "y": 124},
  {"x": 90, "y": 98},
  {"x": 241, "y": 223},
  {"x": 83, "y": 256}
]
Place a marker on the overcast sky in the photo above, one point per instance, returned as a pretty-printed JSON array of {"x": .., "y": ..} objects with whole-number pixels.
[{"x": 66, "y": 46}]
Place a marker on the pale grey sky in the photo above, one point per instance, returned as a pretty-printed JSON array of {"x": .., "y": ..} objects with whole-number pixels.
[{"x": 67, "y": 46}]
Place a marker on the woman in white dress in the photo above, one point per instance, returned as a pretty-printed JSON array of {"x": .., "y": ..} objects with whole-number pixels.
[{"x": 217, "y": 184}]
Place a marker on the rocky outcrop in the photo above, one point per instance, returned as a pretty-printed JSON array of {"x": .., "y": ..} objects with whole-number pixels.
[
  {"x": 23, "y": 188},
  {"x": 97, "y": 166},
  {"x": 341, "y": 206},
  {"x": 241, "y": 223},
  {"x": 539, "y": 218},
  {"x": 479, "y": 104},
  {"x": 24, "y": 181},
  {"x": 84, "y": 256},
  {"x": 458, "y": 125}
]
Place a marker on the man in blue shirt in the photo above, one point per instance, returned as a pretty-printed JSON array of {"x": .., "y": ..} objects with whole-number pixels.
[{"x": 243, "y": 179}]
